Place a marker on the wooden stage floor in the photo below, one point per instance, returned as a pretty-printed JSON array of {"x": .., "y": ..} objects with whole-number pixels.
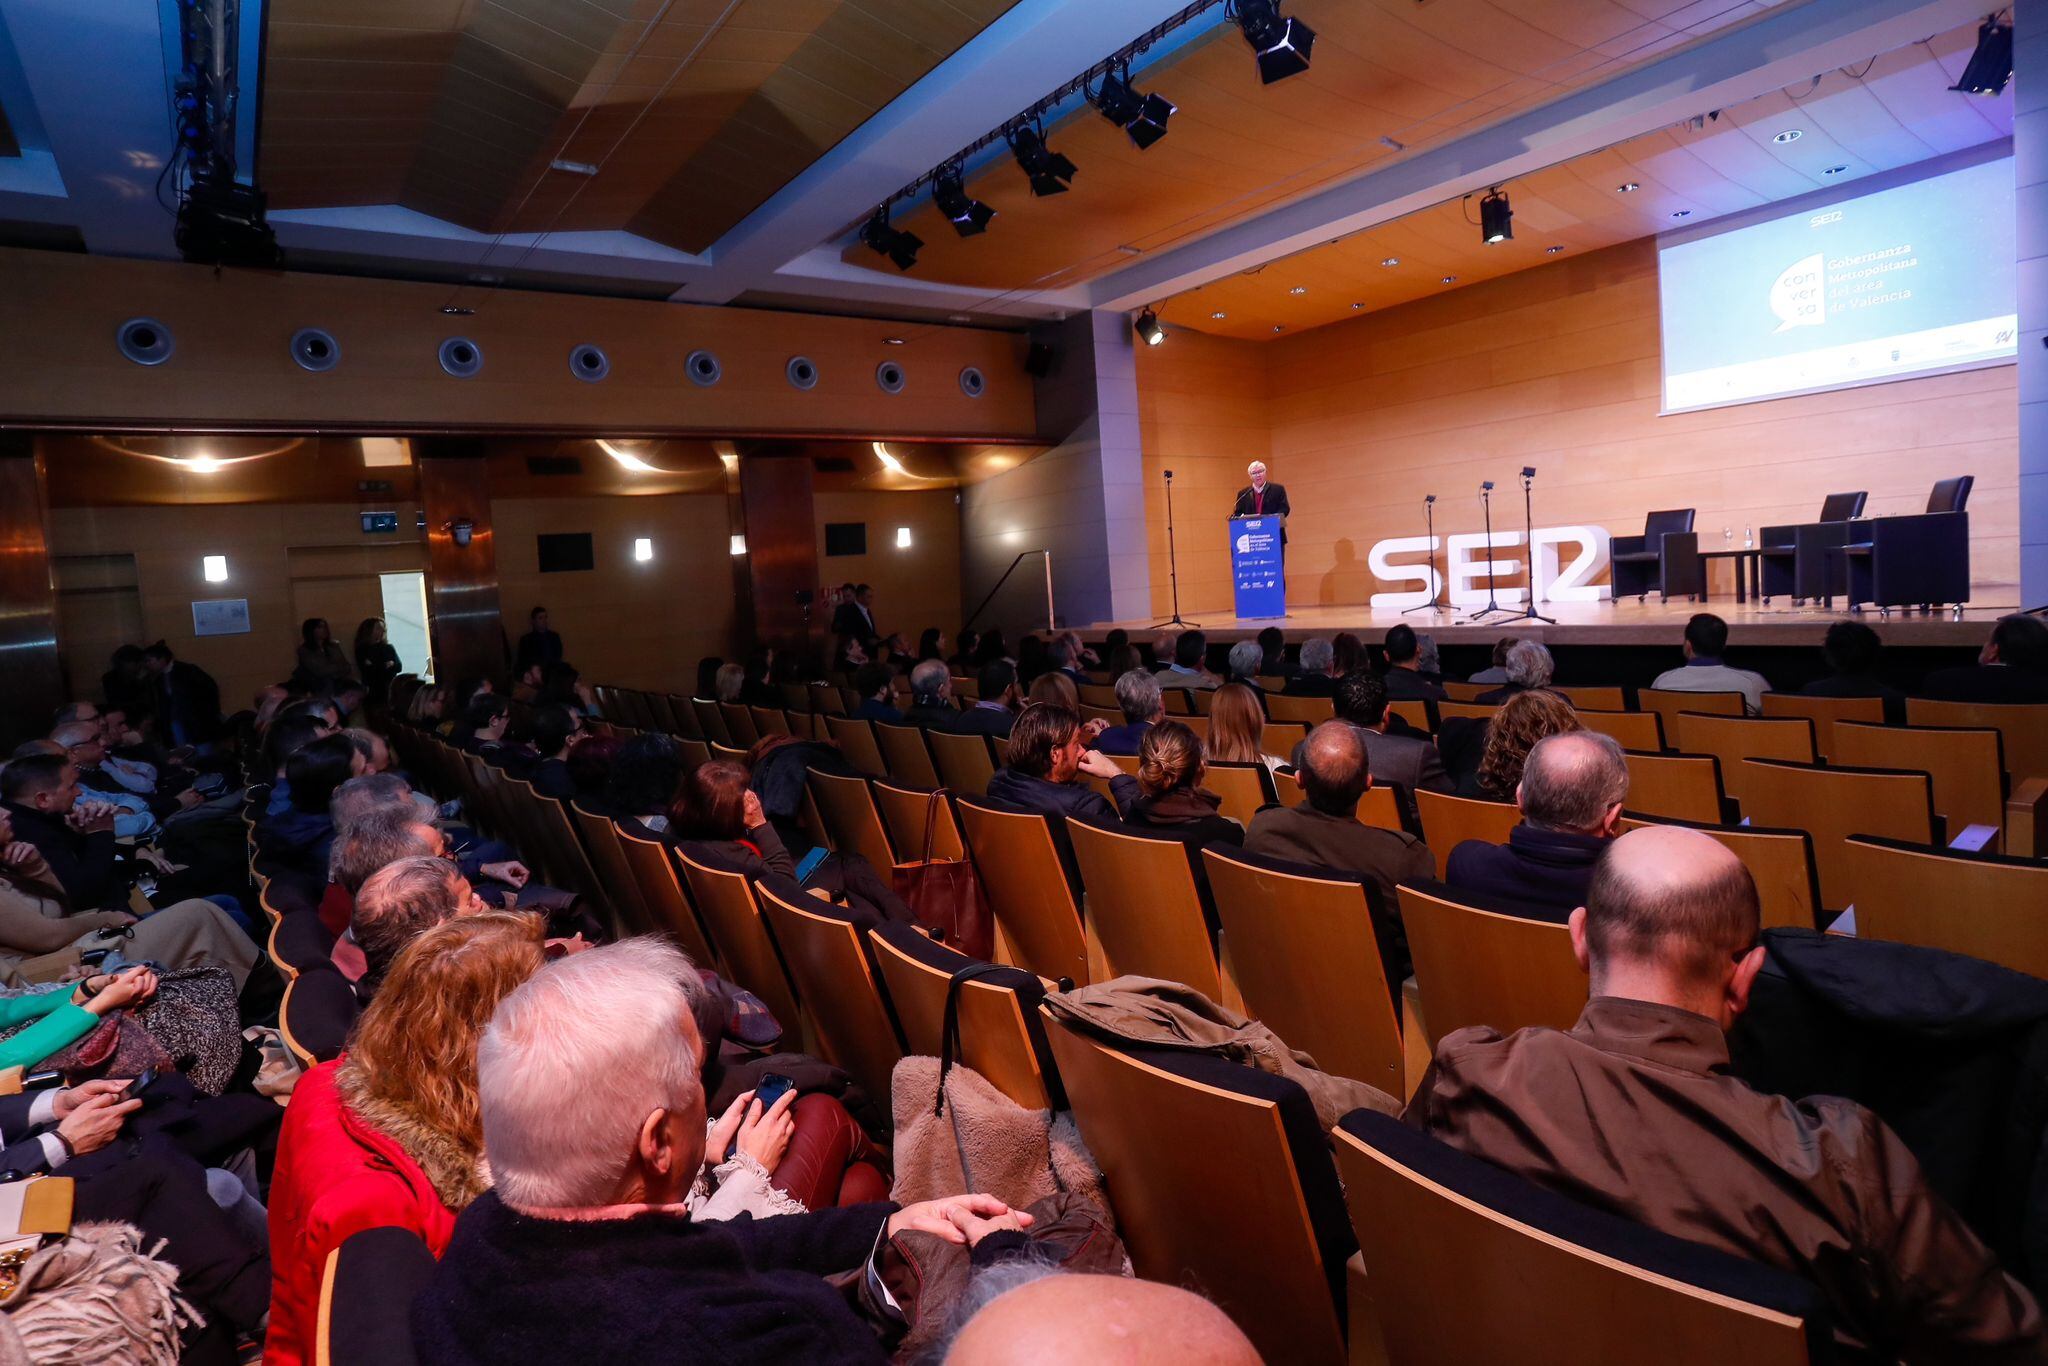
[{"x": 1604, "y": 623}]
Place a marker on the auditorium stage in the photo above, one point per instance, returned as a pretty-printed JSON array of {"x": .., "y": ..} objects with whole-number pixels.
[{"x": 1628, "y": 623}]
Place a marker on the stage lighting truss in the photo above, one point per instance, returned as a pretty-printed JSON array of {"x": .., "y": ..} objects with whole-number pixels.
[
  {"x": 899, "y": 246},
  {"x": 1280, "y": 43},
  {"x": 1047, "y": 170},
  {"x": 1142, "y": 116},
  {"x": 969, "y": 216},
  {"x": 1496, "y": 218}
]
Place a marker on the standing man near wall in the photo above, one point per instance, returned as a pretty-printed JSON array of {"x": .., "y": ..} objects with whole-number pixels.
[
  {"x": 1262, "y": 498},
  {"x": 538, "y": 646}
]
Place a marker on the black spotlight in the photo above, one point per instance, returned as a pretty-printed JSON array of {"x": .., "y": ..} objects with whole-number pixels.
[
  {"x": 1496, "y": 219},
  {"x": 1148, "y": 328},
  {"x": 896, "y": 244},
  {"x": 1142, "y": 116},
  {"x": 1282, "y": 44},
  {"x": 1049, "y": 171},
  {"x": 1991, "y": 64},
  {"x": 967, "y": 215}
]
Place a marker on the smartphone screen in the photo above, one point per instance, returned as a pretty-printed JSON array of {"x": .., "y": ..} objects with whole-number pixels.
[{"x": 772, "y": 1087}]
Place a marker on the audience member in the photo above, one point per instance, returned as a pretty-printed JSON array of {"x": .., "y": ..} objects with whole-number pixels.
[
  {"x": 2012, "y": 668},
  {"x": 1318, "y": 675},
  {"x": 854, "y": 617},
  {"x": 184, "y": 699},
  {"x": 556, "y": 731},
  {"x": 590, "y": 769},
  {"x": 39, "y": 793},
  {"x": 1189, "y": 668},
  {"x": 483, "y": 724},
  {"x": 876, "y": 684},
  {"x": 1245, "y": 661},
  {"x": 1325, "y": 830},
  {"x": 995, "y": 711},
  {"x": 1121, "y": 658},
  {"x": 757, "y": 688},
  {"x": 992, "y": 648},
  {"x": 1706, "y": 640},
  {"x": 642, "y": 783},
  {"x": 377, "y": 663},
  {"x": 717, "y": 819},
  {"x": 1427, "y": 661},
  {"x": 540, "y": 645},
  {"x": 562, "y": 685},
  {"x": 1043, "y": 767},
  {"x": 1237, "y": 727},
  {"x": 388, "y": 1136},
  {"x": 1497, "y": 672},
  {"x": 1521, "y": 721},
  {"x": 135, "y": 816},
  {"x": 964, "y": 663},
  {"x": 1171, "y": 796},
  {"x": 931, "y": 695},
  {"x": 584, "y": 1249},
  {"x": 376, "y": 751},
  {"x": 1348, "y": 654},
  {"x": 398, "y": 903},
  {"x": 321, "y": 658},
  {"x": 1404, "y": 759},
  {"x": 1054, "y": 687},
  {"x": 1851, "y": 650},
  {"x": 129, "y": 684},
  {"x": 931, "y": 644},
  {"x": 1065, "y": 654},
  {"x": 1033, "y": 658},
  {"x": 1635, "y": 1111},
  {"x": 299, "y": 838},
  {"x": 1571, "y": 794},
  {"x": 1529, "y": 667},
  {"x": 1024, "y": 1313},
  {"x": 728, "y": 682},
  {"x": 1405, "y": 682},
  {"x": 1143, "y": 704},
  {"x": 1273, "y": 653}
]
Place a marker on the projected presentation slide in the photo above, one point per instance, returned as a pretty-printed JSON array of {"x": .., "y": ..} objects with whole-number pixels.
[{"x": 1894, "y": 282}]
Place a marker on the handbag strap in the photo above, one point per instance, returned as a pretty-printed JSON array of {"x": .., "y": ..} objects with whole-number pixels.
[
  {"x": 949, "y": 1034},
  {"x": 931, "y": 820}
]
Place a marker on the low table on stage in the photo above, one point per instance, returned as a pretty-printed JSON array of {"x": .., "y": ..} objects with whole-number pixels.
[{"x": 1755, "y": 556}]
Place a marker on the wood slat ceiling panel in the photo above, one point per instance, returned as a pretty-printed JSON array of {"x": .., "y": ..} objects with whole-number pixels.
[
  {"x": 1383, "y": 68},
  {"x": 1895, "y": 112}
]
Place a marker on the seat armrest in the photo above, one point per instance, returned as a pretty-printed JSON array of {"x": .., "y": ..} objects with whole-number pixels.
[{"x": 2026, "y": 819}]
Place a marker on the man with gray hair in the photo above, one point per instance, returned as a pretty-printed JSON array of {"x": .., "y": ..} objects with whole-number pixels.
[
  {"x": 1245, "y": 660},
  {"x": 1572, "y": 789},
  {"x": 1529, "y": 667},
  {"x": 931, "y": 695},
  {"x": 1318, "y": 674},
  {"x": 398, "y": 903},
  {"x": 584, "y": 1251},
  {"x": 1143, "y": 703}
]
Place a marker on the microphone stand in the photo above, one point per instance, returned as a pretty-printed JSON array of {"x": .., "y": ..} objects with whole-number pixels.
[
  {"x": 1172, "y": 565},
  {"x": 1436, "y": 602},
  {"x": 1493, "y": 607},
  {"x": 1530, "y": 613}
]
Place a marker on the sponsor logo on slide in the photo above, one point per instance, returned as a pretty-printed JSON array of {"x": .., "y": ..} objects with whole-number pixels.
[
  {"x": 1244, "y": 545},
  {"x": 1799, "y": 295}
]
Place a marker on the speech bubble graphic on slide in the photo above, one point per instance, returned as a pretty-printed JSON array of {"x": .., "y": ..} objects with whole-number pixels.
[
  {"x": 1244, "y": 545},
  {"x": 1799, "y": 296}
]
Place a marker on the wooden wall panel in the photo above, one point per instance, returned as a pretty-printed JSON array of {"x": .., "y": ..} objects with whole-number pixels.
[
  {"x": 914, "y": 588},
  {"x": 1558, "y": 368},
  {"x": 462, "y": 580},
  {"x": 782, "y": 546},
  {"x": 30, "y": 679},
  {"x": 59, "y": 366}
]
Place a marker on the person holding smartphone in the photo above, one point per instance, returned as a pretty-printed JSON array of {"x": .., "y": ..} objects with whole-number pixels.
[{"x": 742, "y": 1149}]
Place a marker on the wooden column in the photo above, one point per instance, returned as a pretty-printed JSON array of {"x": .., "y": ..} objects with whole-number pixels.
[
  {"x": 31, "y": 680},
  {"x": 462, "y": 580},
  {"x": 782, "y": 545}
]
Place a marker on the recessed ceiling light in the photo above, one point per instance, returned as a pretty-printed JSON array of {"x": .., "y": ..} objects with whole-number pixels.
[
  {"x": 1358, "y": 305},
  {"x": 1834, "y": 170},
  {"x": 1628, "y": 187},
  {"x": 1681, "y": 213},
  {"x": 1789, "y": 135},
  {"x": 1552, "y": 251},
  {"x": 1299, "y": 289},
  {"x": 1219, "y": 313},
  {"x": 892, "y": 341},
  {"x": 1391, "y": 261},
  {"x": 1279, "y": 327},
  {"x": 1450, "y": 279}
]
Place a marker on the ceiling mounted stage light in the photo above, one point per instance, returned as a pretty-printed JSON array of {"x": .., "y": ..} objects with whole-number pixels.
[
  {"x": 969, "y": 216},
  {"x": 1140, "y": 115},
  {"x": 1148, "y": 329},
  {"x": 1496, "y": 219},
  {"x": 1048, "y": 170},
  {"x": 899, "y": 246},
  {"x": 1991, "y": 64},
  {"x": 1282, "y": 44}
]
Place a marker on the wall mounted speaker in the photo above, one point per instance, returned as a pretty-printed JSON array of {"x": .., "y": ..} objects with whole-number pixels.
[
  {"x": 890, "y": 376},
  {"x": 972, "y": 382},
  {"x": 1038, "y": 360},
  {"x": 315, "y": 349},
  {"x": 802, "y": 373},
  {"x": 461, "y": 357},
  {"x": 703, "y": 369},
  {"x": 145, "y": 341},
  {"x": 589, "y": 363}
]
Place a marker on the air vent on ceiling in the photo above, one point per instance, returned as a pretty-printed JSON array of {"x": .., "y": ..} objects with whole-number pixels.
[
  {"x": 554, "y": 465},
  {"x": 834, "y": 464}
]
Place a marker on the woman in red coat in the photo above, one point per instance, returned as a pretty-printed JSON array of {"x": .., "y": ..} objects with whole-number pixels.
[{"x": 388, "y": 1136}]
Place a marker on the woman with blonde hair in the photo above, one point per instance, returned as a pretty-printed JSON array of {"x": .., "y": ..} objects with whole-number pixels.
[
  {"x": 1237, "y": 723},
  {"x": 1172, "y": 799},
  {"x": 389, "y": 1134},
  {"x": 1522, "y": 720}
]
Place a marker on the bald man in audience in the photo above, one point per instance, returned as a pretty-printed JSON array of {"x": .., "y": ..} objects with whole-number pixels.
[
  {"x": 1102, "y": 1320},
  {"x": 1634, "y": 1111},
  {"x": 1571, "y": 794}
]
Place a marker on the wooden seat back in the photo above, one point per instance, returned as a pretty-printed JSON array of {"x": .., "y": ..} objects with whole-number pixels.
[
  {"x": 1835, "y": 803},
  {"x": 905, "y": 755},
  {"x": 1415, "y": 712},
  {"x": 1684, "y": 787},
  {"x": 733, "y": 915},
  {"x": 2023, "y": 726},
  {"x": 694, "y": 752},
  {"x": 1449, "y": 821},
  {"x": 1982, "y": 905},
  {"x": 1824, "y": 712},
  {"x": 855, "y": 737},
  {"x": 710, "y": 720},
  {"x": 997, "y": 1019},
  {"x": 825, "y": 699},
  {"x": 826, "y": 954},
  {"x": 1143, "y": 908},
  {"x": 847, "y": 808},
  {"x": 1467, "y": 711},
  {"x": 1668, "y": 704},
  {"x": 1642, "y": 731},
  {"x": 1466, "y": 692},
  {"x": 608, "y": 861},
  {"x": 740, "y": 730},
  {"x": 1593, "y": 698},
  {"x": 1480, "y": 966},
  {"x": 904, "y": 811},
  {"x": 1026, "y": 885},
  {"x": 1278, "y": 738},
  {"x": 1966, "y": 764},
  {"x": 661, "y": 888},
  {"x": 1244, "y": 788},
  {"x": 688, "y": 725},
  {"x": 964, "y": 763},
  {"x": 1780, "y": 861},
  {"x": 1306, "y": 711},
  {"x": 1731, "y": 739},
  {"x": 770, "y": 721}
]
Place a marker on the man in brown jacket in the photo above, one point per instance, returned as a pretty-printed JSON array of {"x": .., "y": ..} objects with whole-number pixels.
[{"x": 1634, "y": 1111}]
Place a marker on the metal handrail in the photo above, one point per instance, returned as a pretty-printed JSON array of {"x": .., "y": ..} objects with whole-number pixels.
[{"x": 1051, "y": 622}]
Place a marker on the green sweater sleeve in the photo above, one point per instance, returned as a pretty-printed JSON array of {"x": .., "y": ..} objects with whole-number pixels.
[{"x": 62, "y": 1024}]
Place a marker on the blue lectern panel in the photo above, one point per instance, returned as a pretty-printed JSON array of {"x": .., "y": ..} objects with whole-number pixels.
[{"x": 1255, "y": 567}]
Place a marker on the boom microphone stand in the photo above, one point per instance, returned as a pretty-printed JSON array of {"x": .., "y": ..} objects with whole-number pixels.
[
  {"x": 1493, "y": 607},
  {"x": 1436, "y": 602},
  {"x": 1529, "y": 530},
  {"x": 1172, "y": 565}
]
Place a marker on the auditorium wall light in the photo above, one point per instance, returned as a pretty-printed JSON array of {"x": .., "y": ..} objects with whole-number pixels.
[
  {"x": 643, "y": 549},
  {"x": 202, "y": 464},
  {"x": 903, "y": 538},
  {"x": 215, "y": 568},
  {"x": 739, "y": 543},
  {"x": 1496, "y": 218},
  {"x": 1990, "y": 66}
]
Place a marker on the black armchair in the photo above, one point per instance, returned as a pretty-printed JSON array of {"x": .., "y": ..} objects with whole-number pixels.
[
  {"x": 1666, "y": 557},
  {"x": 1922, "y": 558},
  {"x": 1795, "y": 559}
]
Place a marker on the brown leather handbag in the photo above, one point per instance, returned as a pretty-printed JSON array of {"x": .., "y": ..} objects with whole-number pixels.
[{"x": 945, "y": 896}]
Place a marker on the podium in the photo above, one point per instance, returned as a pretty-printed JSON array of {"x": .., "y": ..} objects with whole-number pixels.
[{"x": 1257, "y": 566}]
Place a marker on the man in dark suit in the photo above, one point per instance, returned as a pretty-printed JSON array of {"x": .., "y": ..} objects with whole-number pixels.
[
  {"x": 1406, "y": 759},
  {"x": 876, "y": 684},
  {"x": 539, "y": 645},
  {"x": 40, "y": 794},
  {"x": 1571, "y": 795},
  {"x": 1262, "y": 498},
  {"x": 931, "y": 696},
  {"x": 1405, "y": 682},
  {"x": 1317, "y": 676},
  {"x": 2013, "y": 667},
  {"x": 996, "y": 710},
  {"x": 187, "y": 699},
  {"x": 1851, "y": 651},
  {"x": 854, "y": 618}
]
